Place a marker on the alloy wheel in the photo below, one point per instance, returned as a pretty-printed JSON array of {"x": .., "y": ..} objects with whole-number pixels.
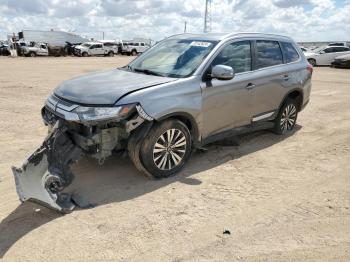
[
  {"x": 288, "y": 118},
  {"x": 170, "y": 149}
]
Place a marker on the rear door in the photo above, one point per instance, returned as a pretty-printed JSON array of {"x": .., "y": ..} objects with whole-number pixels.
[{"x": 268, "y": 79}]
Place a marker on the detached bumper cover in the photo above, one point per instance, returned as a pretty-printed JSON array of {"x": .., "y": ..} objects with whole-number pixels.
[{"x": 47, "y": 172}]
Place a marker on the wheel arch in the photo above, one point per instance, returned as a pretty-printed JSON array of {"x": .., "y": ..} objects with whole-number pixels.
[
  {"x": 187, "y": 119},
  {"x": 294, "y": 94}
]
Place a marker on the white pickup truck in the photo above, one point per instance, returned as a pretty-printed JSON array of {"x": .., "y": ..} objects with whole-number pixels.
[
  {"x": 36, "y": 49},
  {"x": 95, "y": 49},
  {"x": 134, "y": 48}
]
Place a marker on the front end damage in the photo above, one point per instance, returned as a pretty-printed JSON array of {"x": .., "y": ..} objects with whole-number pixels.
[{"x": 47, "y": 172}]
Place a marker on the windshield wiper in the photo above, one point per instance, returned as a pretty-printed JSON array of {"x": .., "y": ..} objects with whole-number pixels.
[{"x": 147, "y": 72}]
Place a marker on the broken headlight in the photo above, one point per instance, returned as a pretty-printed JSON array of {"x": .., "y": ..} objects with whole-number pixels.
[{"x": 96, "y": 114}]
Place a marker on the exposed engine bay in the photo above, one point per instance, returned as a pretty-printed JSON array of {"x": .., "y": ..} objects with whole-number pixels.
[{"x": 47, "y": 172}]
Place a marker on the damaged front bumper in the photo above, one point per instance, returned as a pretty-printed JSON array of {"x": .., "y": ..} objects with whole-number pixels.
[{"x": 47, "y": 172}]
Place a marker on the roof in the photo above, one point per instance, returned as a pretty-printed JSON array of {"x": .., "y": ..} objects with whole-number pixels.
[{"x": 223, "y": 36}]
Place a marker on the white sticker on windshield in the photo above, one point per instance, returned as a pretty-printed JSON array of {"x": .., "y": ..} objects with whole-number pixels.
[{"x": 200, "y": 44}]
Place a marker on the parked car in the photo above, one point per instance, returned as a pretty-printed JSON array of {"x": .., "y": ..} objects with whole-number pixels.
[
  {"x": 4, "y": 50},
  {"x": 35, "y": 49},
  {"x": 339, "y": 44},
  {"x": 94, "y": 49},
  {"x": 183, "y": 93},
  {"x": 326, "y": 55},
  {"x": 342, "y": 61},
  {"x": 113, "y": 44},
  {"x": 134, "y": 48},
  {"x": 304, "y": 49}
]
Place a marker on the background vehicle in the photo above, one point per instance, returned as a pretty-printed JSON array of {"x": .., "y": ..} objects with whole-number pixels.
[
  {"x": 115, "y": 45},
  {"x": 35, "y": 49},
  {"x": 326, "y": 55},
  {"x": 4, "y": 50},
  {"x": 134, "y": 48},
  {"x": 342, "y": 61},
  {"x": 339, "y": 44},
  {"x": 94, "y": 49}
]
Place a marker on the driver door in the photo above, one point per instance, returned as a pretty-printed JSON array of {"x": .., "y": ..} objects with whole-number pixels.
[{"x": 228, "y": 103}]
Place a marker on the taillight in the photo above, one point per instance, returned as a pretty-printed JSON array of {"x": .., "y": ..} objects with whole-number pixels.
[{"x": 310, "y": 68}]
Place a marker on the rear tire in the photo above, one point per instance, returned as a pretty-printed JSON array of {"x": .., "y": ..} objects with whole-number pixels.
[
  {"x": 286, "y": 118},
  {"x": 312, "y": 61},
  {"x": 84, "y": 54},
  {"x": 133, "y": 53},
  {"x": 166, "y": 148},
  {"x": 111, "y": 54},
  {"x": 32, "y": 54}
]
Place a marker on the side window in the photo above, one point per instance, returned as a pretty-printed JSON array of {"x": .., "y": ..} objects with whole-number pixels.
[
  {"x": 289, "y": 52},
  {"x": 329, "y": 50},
  {"x": 142, "y": 44},
  {"x": 268, "y": 53},
  {"x": 340, "y": 49},
  {"x": 93, "y": 47},
  {"x": 98, "y": 46},
  {"x": 237, "y": 55},
  {"x": 137, "y": 44}
]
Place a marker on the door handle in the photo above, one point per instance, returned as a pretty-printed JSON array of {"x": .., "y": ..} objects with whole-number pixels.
[
  {"x": 285, "y": 77},
  {"x": 250, "y": 86}
]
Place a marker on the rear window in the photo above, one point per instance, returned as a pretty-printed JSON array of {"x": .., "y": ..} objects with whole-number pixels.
[
  {"x": 268, "y": 53},
  {"x": 289, "y": 52}
]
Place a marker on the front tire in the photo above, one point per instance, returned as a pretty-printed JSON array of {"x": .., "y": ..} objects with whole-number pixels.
[
  {"x": 166, "y": 148},
  {"x": 286, "y": 118},
  {"x": 133, "y": 53}
]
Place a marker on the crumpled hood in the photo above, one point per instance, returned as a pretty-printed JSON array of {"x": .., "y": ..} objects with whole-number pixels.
[{"x": 106, "y": 87}]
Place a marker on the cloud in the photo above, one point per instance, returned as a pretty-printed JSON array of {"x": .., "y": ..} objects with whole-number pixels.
[{"x": 301, "y": 19}]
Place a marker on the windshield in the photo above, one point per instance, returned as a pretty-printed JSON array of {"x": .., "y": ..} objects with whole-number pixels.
[
  {"x": 319, "y": 49},
  {"x": 173, "y": 58},
  {"x": 86, "y": 45}
]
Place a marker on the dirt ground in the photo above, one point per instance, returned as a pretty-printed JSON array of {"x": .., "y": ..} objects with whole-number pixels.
[{"x": 281, "y": 198}]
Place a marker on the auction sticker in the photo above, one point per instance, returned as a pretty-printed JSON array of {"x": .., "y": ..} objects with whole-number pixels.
[{"x": 200, "y": 44}]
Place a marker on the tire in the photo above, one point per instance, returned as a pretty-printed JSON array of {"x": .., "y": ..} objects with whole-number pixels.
[
  {"x": 32, "y": 54},
  {"x": 161, "y": 158},
  {"x": 133, "y": 53},
  {"x": 286, "y": 118},
  {"x": 84, "y": 54},
  {"x": 110, "y": 54},
  {"x": 312, "y": 61}
]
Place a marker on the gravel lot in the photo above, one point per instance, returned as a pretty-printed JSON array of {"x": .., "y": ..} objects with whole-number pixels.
[{"x": 281, "y": 198}]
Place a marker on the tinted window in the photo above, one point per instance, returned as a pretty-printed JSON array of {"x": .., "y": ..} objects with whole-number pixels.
[
  {"x": 98, "y": 46},
  {"x": 142, "y": 44},
  {"x": 137, "y": 44},
  {"x": 289, "y": 52},
  {"x": 340, "y": 49},
  {"x": 329, "y": 50},
  {"x": 237, "y": 55},
  {"x": 268, "y": 53}
]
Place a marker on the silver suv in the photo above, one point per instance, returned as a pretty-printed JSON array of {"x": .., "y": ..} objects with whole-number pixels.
[{"x": 185, "y": 92}]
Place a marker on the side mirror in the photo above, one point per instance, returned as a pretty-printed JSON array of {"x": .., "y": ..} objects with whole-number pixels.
[{"x": 222, "y": 72}]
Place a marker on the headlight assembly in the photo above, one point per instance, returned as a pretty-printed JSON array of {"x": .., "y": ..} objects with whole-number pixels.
[{"x": 95, "y": 114}]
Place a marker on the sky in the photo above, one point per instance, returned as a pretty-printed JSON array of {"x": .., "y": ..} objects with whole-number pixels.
[{"x": 303, "y": 20}]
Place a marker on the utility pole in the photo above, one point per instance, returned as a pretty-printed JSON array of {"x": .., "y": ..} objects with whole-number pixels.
[
  {"x": 103, "y": 35},
  {"x": 185, "y": 29},
  {"x": 207, "y": 16}
]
